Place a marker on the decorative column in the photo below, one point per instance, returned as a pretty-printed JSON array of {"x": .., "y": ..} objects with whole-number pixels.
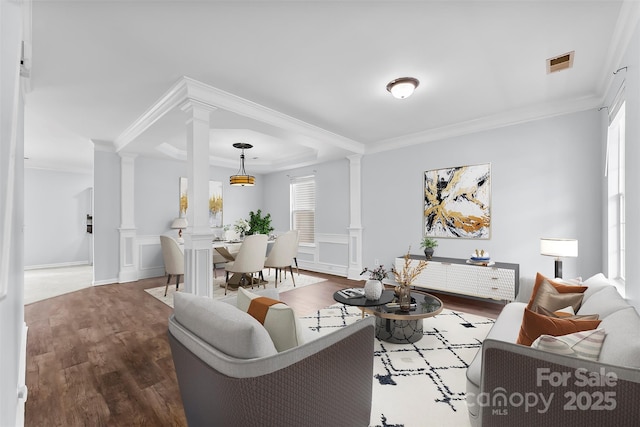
[
  {"x": 198, "y": 249},
  {"x": 355, "y": 220},
  {"x": 128, "y": 247}
]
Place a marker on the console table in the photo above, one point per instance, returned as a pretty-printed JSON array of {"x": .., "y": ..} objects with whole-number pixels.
[{"x": 499, "y": 281}]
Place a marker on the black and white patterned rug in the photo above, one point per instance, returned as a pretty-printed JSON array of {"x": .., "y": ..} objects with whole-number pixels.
[{"x": 420, "y": 384}]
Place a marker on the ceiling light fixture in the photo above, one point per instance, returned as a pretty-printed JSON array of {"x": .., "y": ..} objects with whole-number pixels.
[
  {"x": 241, "y": 178},
  {"x": 402, "y": 87}
]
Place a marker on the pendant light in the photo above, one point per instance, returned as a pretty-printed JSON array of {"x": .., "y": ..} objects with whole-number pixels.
[{"x": 241, "y": 178}]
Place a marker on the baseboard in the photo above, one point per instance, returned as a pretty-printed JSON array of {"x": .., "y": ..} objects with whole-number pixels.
[
  {"x": 58, "y": 265},
  {"x": 336, "y": 270}
]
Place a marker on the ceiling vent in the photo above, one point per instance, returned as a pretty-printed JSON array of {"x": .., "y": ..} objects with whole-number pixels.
[{"x": 560, "y": 63}]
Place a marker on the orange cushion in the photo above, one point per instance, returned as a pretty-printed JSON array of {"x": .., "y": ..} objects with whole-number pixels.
[
  {"x": 534, "y": 324},
  {"x": 554, "y": 295}
]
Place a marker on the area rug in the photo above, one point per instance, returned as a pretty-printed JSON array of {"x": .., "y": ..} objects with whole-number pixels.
[
  {"x": 218, "y": 286},
  {"x": 420, "y": 384}
]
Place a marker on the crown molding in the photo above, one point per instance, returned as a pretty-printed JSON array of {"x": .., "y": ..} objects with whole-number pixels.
[
  {"x": 510, "y": 118},
  {"x": 626, "y": 25},
  {"x": 187, "y": 89}
]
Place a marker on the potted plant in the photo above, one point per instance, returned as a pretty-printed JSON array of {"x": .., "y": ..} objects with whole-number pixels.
[
  {"x": 428, "y": 244},
  {"x": 259, "y": 224},
  {"x": 373, "y": 287}
]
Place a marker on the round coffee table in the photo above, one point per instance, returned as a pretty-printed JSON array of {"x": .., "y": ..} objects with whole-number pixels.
[{"x": 402, "y": 327}]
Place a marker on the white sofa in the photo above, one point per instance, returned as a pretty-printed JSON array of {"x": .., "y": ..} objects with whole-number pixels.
[{"x": 511, "y": 384}]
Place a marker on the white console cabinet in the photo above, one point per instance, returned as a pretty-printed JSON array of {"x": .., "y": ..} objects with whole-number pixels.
[{"x": 453, "y": 275}]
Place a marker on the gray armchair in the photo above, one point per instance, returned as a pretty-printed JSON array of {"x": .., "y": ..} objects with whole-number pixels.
[{"x": 231, "y": 375}]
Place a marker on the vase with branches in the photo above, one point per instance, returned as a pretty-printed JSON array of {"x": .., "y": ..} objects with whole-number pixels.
[{"x": 405, "y": 278}]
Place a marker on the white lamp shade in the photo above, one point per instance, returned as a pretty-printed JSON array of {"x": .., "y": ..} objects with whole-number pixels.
[
  {"x": 179, "y": 223},
  {"x": 402, "y": 90},
  {"x": 559, "y": 247}
]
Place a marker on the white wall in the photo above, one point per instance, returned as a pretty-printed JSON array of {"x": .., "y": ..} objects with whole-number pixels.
[
  {"x": 56, "y": 208},
  {"x": 544, "y": 181},
  {"x": 12, "y": 327}
]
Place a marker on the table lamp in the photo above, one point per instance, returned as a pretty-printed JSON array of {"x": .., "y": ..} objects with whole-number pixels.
[
  {"x": 180, "y": 224},
  {"x": 558, "y": 248}
]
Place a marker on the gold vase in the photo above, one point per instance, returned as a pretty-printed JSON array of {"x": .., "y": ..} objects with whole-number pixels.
[{"x": 404, "y": 297}]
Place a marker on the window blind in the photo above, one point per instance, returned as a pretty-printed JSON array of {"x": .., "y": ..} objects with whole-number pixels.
[{"x": 303, "y": 206}]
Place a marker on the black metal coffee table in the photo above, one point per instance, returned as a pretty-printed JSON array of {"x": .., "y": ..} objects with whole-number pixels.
[{"x": 402, "y": 327}]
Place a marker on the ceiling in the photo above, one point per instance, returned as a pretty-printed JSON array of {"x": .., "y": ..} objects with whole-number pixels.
[{"x": 317, "y": 71}]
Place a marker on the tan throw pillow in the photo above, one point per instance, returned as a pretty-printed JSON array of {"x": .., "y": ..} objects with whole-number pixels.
[
  {"x": 565, "y": 315},
  {"x": 534, "y": 324},
  {"x": 554, "y": 296},
  {"x": 583, "y": 345},
  {"x": 277, "y": 317}
]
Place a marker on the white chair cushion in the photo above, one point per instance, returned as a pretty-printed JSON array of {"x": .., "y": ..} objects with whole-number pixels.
[
  {"x": 280, "y": 321},
  {"x": 223, "y": 326}
]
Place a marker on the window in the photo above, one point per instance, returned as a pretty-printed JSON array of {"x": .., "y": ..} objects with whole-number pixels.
[
  {"x": 303, "y": 206},
  {"x": 615, "y": 174}
]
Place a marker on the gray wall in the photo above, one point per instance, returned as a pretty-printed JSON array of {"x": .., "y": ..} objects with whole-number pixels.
[
  {"x": 56, "y": 206},
  {"x": 106, "y": 218},
  {"x": 545, "y": 183},
  {"x": 156, "y": 184}
]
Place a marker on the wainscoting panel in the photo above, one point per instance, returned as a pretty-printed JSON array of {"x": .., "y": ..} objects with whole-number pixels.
[
  {"x": 330, "y": 255},
  {"x": 149, "y": 257}
]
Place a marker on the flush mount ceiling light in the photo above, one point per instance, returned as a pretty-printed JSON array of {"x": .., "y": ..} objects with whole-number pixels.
[
  {"x": 403, "y": 87},
  {"x": 241, "y": 178}
]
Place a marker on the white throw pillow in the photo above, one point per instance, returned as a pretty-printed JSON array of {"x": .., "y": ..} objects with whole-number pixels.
[
  {"x": 583, "y": 345},
  {"x": 280, "y": 321}
]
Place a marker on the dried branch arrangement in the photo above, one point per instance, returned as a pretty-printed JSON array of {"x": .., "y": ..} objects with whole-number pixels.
[{"x": 408, "y": 274}]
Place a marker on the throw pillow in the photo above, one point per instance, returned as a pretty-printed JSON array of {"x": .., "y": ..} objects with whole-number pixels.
[
  {"x": 534, "y": 324},
  {"x": 554, "y": 296},
  {"x": 583, "y": 345},
  {"x": 278, "y": 318},
  {"x": 560, "y": 314}
]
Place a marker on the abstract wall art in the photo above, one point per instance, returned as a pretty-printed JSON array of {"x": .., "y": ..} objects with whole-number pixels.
[
  {"x": 215, "y": 201},
  {"x": 457, "y": 202}
]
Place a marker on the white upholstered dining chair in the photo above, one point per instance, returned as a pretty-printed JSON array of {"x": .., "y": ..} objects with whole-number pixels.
[
  {"x": 249, "y": 260},
  {"x": 173, "y": 259},
  {"x": 282, "y": 253}
]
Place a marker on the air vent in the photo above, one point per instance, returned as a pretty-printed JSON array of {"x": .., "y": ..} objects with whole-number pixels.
[{"x": 560, "y": 63}]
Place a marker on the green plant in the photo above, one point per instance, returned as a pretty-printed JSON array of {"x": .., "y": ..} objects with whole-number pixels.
[
  {"x": 259, "y": 224},
  {"x": 428, "y": 242},
  {"x": 379, "y": 273}
]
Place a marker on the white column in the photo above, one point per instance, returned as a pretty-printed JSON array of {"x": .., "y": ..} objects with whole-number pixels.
[
  {"x": 355, "y": 217},
  {"x": 198, "y": 250},
  {"x": 128, "y": 247}
]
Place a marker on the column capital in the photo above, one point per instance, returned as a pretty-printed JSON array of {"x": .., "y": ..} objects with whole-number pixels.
[{"x": 196, "y": 109}]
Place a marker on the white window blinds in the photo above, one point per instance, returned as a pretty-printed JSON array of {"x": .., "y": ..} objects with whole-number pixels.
[{"x": 303, "y": 206}]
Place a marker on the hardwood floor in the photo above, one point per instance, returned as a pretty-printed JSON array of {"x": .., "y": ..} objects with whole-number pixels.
[{"x": 100, "y": 356}]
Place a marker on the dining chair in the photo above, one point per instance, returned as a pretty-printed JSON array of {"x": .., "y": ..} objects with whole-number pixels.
[
  {"x": 282, "y": 253},
  {"x": 173, "y": 260},
  {"x": 249, "y": 260},
  {"x": 219, "y": 258}
]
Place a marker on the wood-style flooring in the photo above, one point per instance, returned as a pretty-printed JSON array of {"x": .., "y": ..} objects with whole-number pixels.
[{"x": 100, "y": 356}]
